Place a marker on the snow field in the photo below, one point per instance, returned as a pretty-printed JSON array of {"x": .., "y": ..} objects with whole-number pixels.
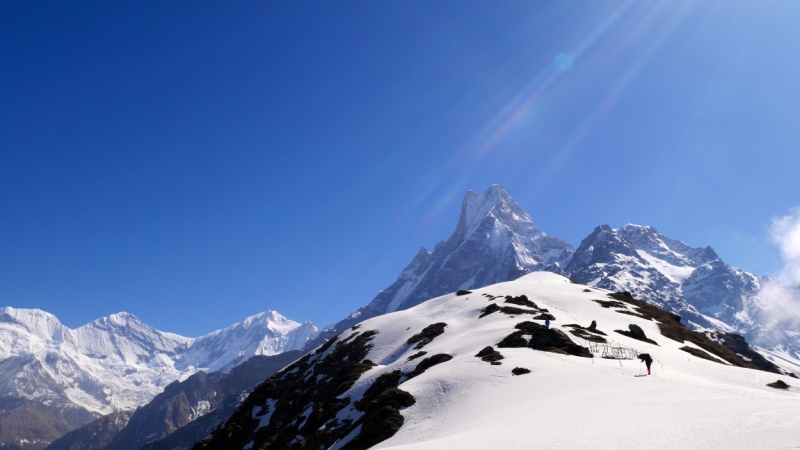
[{"x": 567, "y": 401}]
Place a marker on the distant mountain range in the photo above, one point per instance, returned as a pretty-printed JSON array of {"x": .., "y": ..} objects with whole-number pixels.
[{"x": 55, "y": 379}]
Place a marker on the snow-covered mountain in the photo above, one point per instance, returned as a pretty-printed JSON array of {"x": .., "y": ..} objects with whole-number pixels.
[
  {"x": 268, "y": 333},
  {"x": 481, "y": 370},
  {"x": 693, "y": 282},
  {"x": 120, "y": 363},
  {"x": 495, "y": 240}
]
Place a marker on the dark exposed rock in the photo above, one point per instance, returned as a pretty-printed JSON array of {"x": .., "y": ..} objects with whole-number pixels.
[
  {"x": 519, "y": 371},
  {"x": 610, "y": 303},
  {"x": 381, "y": 403},
  {"x": 522, "y": 300},
  {"x": 636, "y": 332},
  {"x": 489, "y": 309},
  {"x": 381, "y": 384},
  {"x": 514, "y": 311},
  {"x": 416, "y": 355},
  {"x": 427, "y": 335},
  {"x": 427, "y": 363},
  {"x": 591, "y": 328},
  {"x": 463, "y": 292},
  {"x": 544, "y": 339},
  {"x": 490, "y": 355},
  {"x": 631, "y": 313},
  {"x": 780, "y": 384},
  {"x": 376, "y": 427},
  {"x": 583, "y": 334},
  {"x": 302, "y": 398},
  {"x": 545, "y": 316}
]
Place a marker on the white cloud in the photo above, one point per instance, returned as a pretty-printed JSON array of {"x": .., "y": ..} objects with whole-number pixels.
[
  {"x": 785, "y": 232},
  {"x": 779, "y": 308}
]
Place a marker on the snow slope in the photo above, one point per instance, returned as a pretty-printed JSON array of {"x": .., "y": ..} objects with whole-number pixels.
[
  {"x": 564, "y": 402},
  {"x": 572, "y": 402}
]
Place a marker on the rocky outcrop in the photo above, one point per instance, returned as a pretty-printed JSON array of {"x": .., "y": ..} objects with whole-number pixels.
[
  {"x": 29, "y": 424},
  {"x": 94, "y": 435}
]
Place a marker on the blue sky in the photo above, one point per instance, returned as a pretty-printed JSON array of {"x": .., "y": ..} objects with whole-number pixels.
[{"x": 194, "y": 163}]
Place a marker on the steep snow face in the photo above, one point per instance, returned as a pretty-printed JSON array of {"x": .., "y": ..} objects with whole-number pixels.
[
  {"x": 128, "y": 339},
  {"x": 722, "y": 291},
  {"x": 466, "y": 403},
  {"x": 563, "y": 402},
  {"x": 495, "y": 240},
  {"x": 118, "y": 362},
  {"x": 268, "y": 333},
  {"x": 671, "y": 251},
  {"x": 606, "y": 259}
]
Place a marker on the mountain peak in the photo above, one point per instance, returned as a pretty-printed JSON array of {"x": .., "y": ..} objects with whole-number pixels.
[
  {"x": 494, "y": 241},
  {"x": 36, "y": 321},
  {"x": 678, "y": 253},
  {"x": 122, "y": 318},
  {"x": 496, "y": 203}
]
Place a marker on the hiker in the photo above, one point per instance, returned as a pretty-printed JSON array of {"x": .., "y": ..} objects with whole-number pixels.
[
  {"x": 547, "y": 323},
  {"x": 647, "y": 360}
]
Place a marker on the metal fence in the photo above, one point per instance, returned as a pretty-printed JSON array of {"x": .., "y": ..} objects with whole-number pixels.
[{"x": 611, "y": 350}]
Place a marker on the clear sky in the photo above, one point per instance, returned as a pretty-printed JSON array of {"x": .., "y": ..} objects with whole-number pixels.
[{"x": 194, "y": 163}]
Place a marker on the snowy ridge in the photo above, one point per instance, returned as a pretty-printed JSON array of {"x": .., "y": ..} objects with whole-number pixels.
[
  {"x": 118, "y": 362},
  {"x": 564, "y": 401}
]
